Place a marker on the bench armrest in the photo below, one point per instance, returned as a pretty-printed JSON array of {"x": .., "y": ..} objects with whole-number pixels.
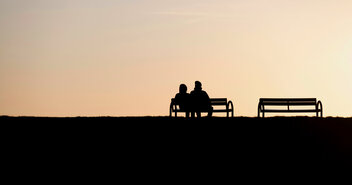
[
  {"x": 260, "y": 109},
  {"x": 319, "y": 104},
  {"x": 229, "y": 103},
  {"x": 172, "y": 108}
]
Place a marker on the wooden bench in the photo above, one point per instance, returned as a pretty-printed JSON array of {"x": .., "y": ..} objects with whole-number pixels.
[
  {"x": 316, "y": 107},
  {"x": 213, "y": 101}
]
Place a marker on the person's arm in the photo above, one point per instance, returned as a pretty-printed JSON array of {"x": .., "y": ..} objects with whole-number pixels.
[
  {"x": 207, "y": 97},
  {"x": 206, "y": 94},
  {"x": 177, "y": 98}
]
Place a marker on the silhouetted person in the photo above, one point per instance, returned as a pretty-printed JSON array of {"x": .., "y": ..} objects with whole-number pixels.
[
  {"x": 200, "y": 101},
  {"x": 183, "y": 99}
]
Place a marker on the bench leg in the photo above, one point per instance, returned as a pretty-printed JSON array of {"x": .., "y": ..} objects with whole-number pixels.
[
  {"x": 321, "y": 113},
  {"x": 260, "y": 108},
  {"x": 228, "y": 113},
  {"x": 210, "y": 111},
  {"x": 259, "y": 114},
  {"x": 319, "y": 110},
  {"x": 199, "y": 114}
]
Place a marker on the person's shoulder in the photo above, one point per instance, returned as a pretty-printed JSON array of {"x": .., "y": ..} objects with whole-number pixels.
[{"x": 205, "y": 94}]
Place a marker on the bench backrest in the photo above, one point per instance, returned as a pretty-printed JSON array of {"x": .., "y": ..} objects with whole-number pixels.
[
  {"x": 218, "y": 101},
  {"x": 288, "y": 101},
  {"x": 213, "y": 101}
]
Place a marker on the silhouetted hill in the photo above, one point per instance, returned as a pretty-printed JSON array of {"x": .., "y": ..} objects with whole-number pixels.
[{"x": 240, "y": 141}]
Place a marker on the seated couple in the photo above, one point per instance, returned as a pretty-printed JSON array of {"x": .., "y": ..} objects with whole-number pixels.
[{"x": 196, "y": 102}]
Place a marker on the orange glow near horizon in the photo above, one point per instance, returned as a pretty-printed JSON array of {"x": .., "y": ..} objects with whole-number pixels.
[{"x": 124, "y": 58}]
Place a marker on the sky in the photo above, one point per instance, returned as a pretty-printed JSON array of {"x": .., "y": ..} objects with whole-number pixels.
[{"x": 128, "y": 57}]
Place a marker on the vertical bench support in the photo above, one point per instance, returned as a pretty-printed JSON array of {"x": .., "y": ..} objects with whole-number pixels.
[
  {"x": 228, "y": 105},
  {"x": 260, "y": 109},
  {"x": 319, "y": 104}
]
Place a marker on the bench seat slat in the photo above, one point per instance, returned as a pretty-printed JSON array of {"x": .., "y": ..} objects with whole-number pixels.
[
  {"x": 218, "y": 103},
  {"x": 218, "y": 99},
  {"x": 310, "y": 110},
  {"x": 222, "y": 110},
  {"x": 288, "y": 103},
  {"x": 216, "y": 110},
  {"x": 287, "y": 99}
]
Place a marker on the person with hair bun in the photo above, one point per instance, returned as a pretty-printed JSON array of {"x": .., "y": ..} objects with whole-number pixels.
[{"x": 182, "y": 98}]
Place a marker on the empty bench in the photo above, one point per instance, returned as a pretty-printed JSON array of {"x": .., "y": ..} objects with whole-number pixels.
[
  {"x": 227, "y": 106},
  {"x": 288, "y": 103}
]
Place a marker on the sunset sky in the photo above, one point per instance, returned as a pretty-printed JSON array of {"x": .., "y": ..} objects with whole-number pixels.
[{"x": 128, "y": 57}]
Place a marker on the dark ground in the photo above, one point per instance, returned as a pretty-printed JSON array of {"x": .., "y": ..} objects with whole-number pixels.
[{"x": 146, "y": 141}]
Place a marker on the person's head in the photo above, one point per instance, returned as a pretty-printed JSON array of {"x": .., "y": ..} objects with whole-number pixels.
[
  {"x": 183, "y": 88},
  {"x": 198, "y": 86}
]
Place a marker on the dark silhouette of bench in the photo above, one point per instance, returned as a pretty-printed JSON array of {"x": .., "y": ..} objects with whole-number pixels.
[
  {"x": 228, "y": 106},
  {"x": 289, "y": 102}
]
